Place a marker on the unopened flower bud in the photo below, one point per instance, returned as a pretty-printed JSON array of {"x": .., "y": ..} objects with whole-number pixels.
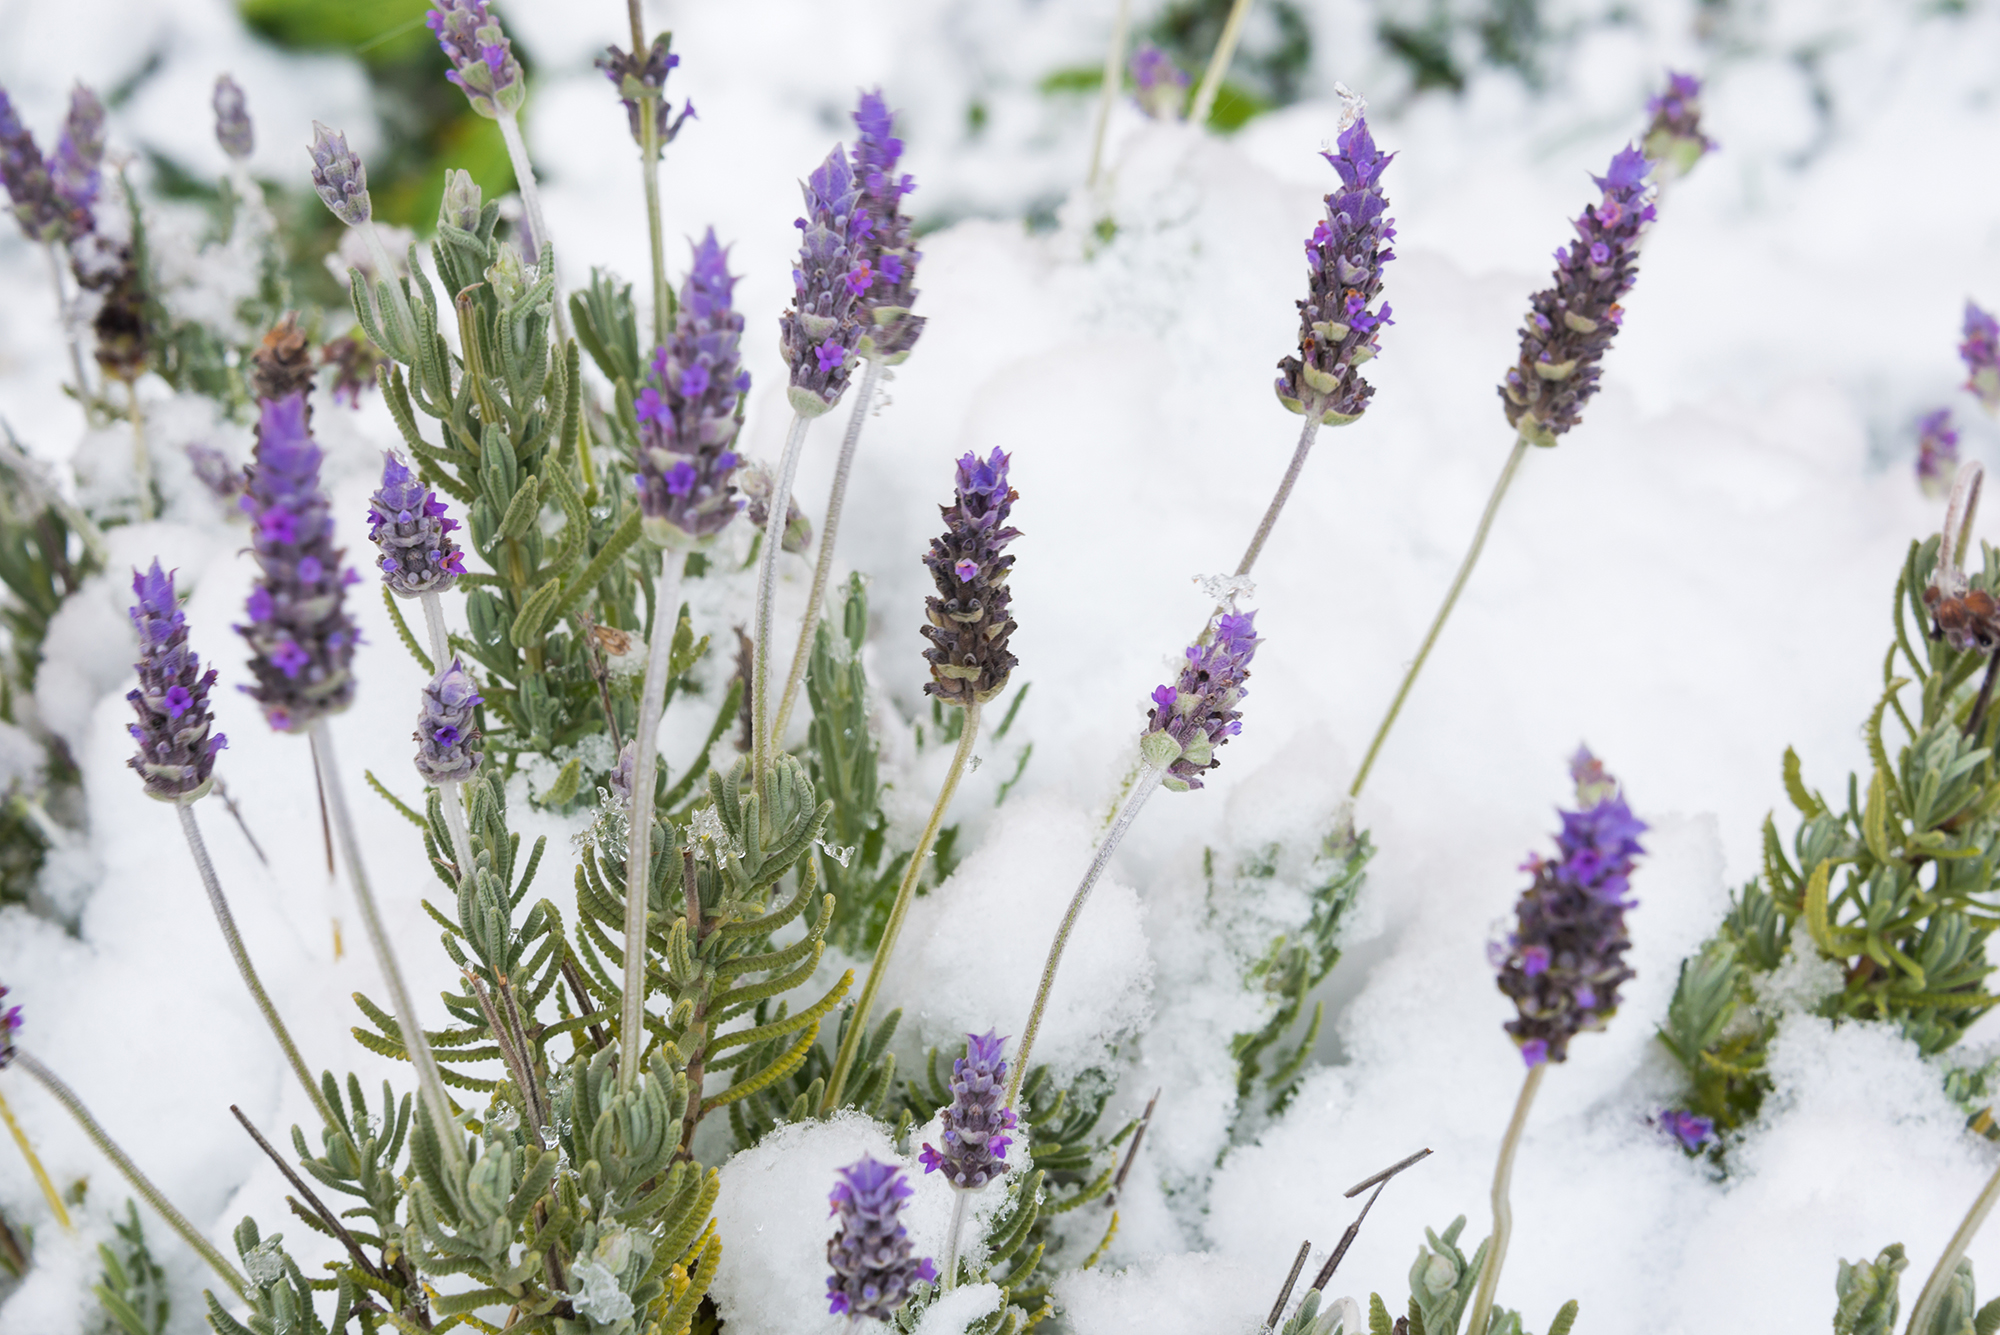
[
  {"x": 339, "y": 177},
  {"x": 232, "y": 120}
]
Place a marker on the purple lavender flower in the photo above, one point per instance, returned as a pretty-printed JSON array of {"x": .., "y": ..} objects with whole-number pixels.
[
  {"x": 339, "y": 177},
  {"x": 975, "y": 1125},
  {"x": 1674, "y": 140},
  {"x": 408, "y": 522},
  {"x": 302, "y": 639},
  {"x": 232, "y": 119},
  {"x": 482, "y": 59},
  {"x": 10, "y": 1025},
  {"x": 639, "y": 81},
  {"x": 1981, "y": 353},
  {"x": 692, "y": 407},
  {"x": 1571, "y": 324},
  {"x": 1691, "y": 1130},
  {"x": 818, "y": 332},
  {"x": 1160, "y": 85},
  {"x": 445, "y": 731},
  {"x": 968, "y": 621},
  {"x": 74, "y": 167},
  {"x": 176, "y": 753},
  {"x": 1565, "y": 959},
  {"x": 870, "y": 1255},
  {"x": 1192, "y": 717},
  {"x": 1937, "y": 452},
  {"x": 25, "y": 173},
  {"x": 1337, "y": 330},
  {"x": 887, "y": 274}
]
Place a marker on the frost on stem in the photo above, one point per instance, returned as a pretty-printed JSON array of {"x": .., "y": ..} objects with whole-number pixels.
[
  {"x": 870, "y": 1255},
  {"x": 975, "y": 1124},
  {"x": 969, "y": 625},
  {"x": 1563, "y": 963},
  {"x": 176, "y": 755},
  {"x": 482, "y": 59},
  {"x": 1195, "y": 714},
  {"x": 691, "y": 409},
  {"x": 1571, "y": 323},
  {"x": 408, "y": 523},
  {"x": 886, "y": 329},
  {"x": 1338, "y": 330},
  {"x": 819, "y": 330}
]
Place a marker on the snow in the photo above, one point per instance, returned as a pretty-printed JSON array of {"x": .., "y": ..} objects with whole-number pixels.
[{"x": 1697, "y": 577}]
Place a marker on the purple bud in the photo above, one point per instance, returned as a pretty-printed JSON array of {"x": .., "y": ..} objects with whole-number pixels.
[
  {"x": 408, "y": 523},
  {"x": 969, "y": 624},
  {"x": 176, "y": 753},
  {"x": 692, "y": 408},
  {"x": 870, "y": 1255},
  {"x": 482, "y": 59},
  {"x": 339, "y": 177},
  {"x": 24, "y": 172},
  {"x": 1937, "y": 453},
  {"x": 975, "y": 1125},
  {"x": 639, "y": 81},
  {"x": 445, "y": 733},
  {"x": 1193, "y": 717},
  {"x": 232, "y": 120},
  {"x": 1690, "y": 1130},
  {"x": 79, "y": 154},
  {"x": 1674, "y": 140},
  {"x": 1161, "y": 85},
  {"x": 1981, "y": 352}
]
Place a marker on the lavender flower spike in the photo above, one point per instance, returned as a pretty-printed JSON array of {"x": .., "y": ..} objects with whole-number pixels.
[
  {"x": 1565, "y": 959},
  {"x": 819, "y": 330},
  {"x": 10, "y": 1024},
  {"x": 176, "y": 754},
  {"x": 969, "y": 623},
  {"x": 641, "y": 81},
  {"x": 74, "y": 168},
  {"x": 482, "y": 59},
  {"x": 408, "y": 523},
  {"x": 1674, "y": 140},
  {"x": 1192, "y": 717},
  {"x": 1160, "y": 86},
  {"x": 1981, "y": 353},
  {"x": 302, "y": 639},
  {"x": 445, "y": 732},
  {"x": 1937, "y": 452},
  {"x": 25, "y": 173},
  {"x": 1571, "y": 324},
  {"x": 889, "y": 258},
  {"x": 339, "y": 177},
  {"x": 232, "y": 120},
  {"x": 691, "y": 409},
  {"x": 870, "y": 1255},
  {"x": 975, "y": 1124},
  {"x": 1337, "y": 328}
]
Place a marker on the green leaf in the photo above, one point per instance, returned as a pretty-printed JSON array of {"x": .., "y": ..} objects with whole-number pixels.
[{"x": 1564, "y": 1319}]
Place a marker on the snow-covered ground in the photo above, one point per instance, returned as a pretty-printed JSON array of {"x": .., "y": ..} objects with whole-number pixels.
[{"x": 1699, "y": 576}]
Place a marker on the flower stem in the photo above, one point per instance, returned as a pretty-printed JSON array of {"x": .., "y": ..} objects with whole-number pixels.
[
  {"x": 649, "y": 171},
  {"x": 449, "y": 797},
  {"x": 35, "y": 1166},
  {"x": 1135, "y": 798},
  {"x": 429, "y": 1082},
  {"x": 1934, "y": 1287},
  {"x": 1306, "y": 439},
  {"x": 1114, "y": 80},
  {"x": 1444, "y": 612},
  {"x": 767, "y": 584},
  {"x": 227, "y": 922},
  {"x": 150, "y": 1193},
  {"x": 1503, "y": 1212},
  {"x": 67, "y": 314},
  {"x": 949, "y": 1281},
  {"x": 857, "y": 1023},
  {"x": 638, "y": 880},
  {"x": 1218, "y": 64},
  {"x": 142, "y": 461},
  {"x": 829, "y": 531},
  {"x": 531, "y": 197}
]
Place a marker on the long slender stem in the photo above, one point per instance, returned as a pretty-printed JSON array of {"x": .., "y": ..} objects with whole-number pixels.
[
  {"x": 1933, "y": 1290},
  {"x": 960, "y": 1199},
  {"x": 1114, "y": 80},
  {"x": 638, "y": 880},
  {"x": 762, "y": 741},
  {"x": 68, "y": 317},
  {"x": 49, "y": 1193},
  {"x": 649, "y": 170},
  {"x": 1135, "y": 798},
  {"x": 531, "y": 196},
  {"x": 1503, "y": 1210},
  {"x": 857, "y": 1023},
  {"x": 227, "y": 922},
  {"x": 1450, "y": 600},
  {"x": 449, "y": 797},
  {"x": 151, "y": 1194},
  {"x": 429, "y": 1082},
  {"x": 385, "y": 264},
  {"x": 1218, "y": 64},
  {"x": 829, "y": 532},
  {"x": 1277, "y": 507},
  {"x": 142, "y": 460}
]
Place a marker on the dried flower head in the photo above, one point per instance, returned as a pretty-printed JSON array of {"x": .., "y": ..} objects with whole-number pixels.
[
  {"x": 886, "y": 330},
  {"x": 870, "y": 1255},
  {"x": 409, "y": 524},
  {"x": 1193, "y": 716},
  {"x": 692, "y": 407},
  {"x": 282, "y": 365},
  {"x": 1981, "y": 353},
  {"x": 1345, "y": 255},
  {"x": 445, "y": 732},
  {"x": 968, "y": 618},
  {"x": 43, "y": 216},
  {"x": 233, "y": 130},
  {"x": 124, "y": 344},
  {"x": 1571, "y": 324},
  {"x": 975, "y": 1125},
  {"x": 641, "y": 81},
  {"x": 339, "y": 177},
  {"x": 1937, "y": 452},
  {"x": 1565, "y": 959},
  {"x": 176, "y": 755},
  {"x": 482, "y": 59},
  {"x": 1159, "y": 85},
  {"x": 302, "y": 639},
  {"x": 1674, "y": 141},
  {"x": 357, "y": 367},
  {"x": 819, "y": 330}
]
